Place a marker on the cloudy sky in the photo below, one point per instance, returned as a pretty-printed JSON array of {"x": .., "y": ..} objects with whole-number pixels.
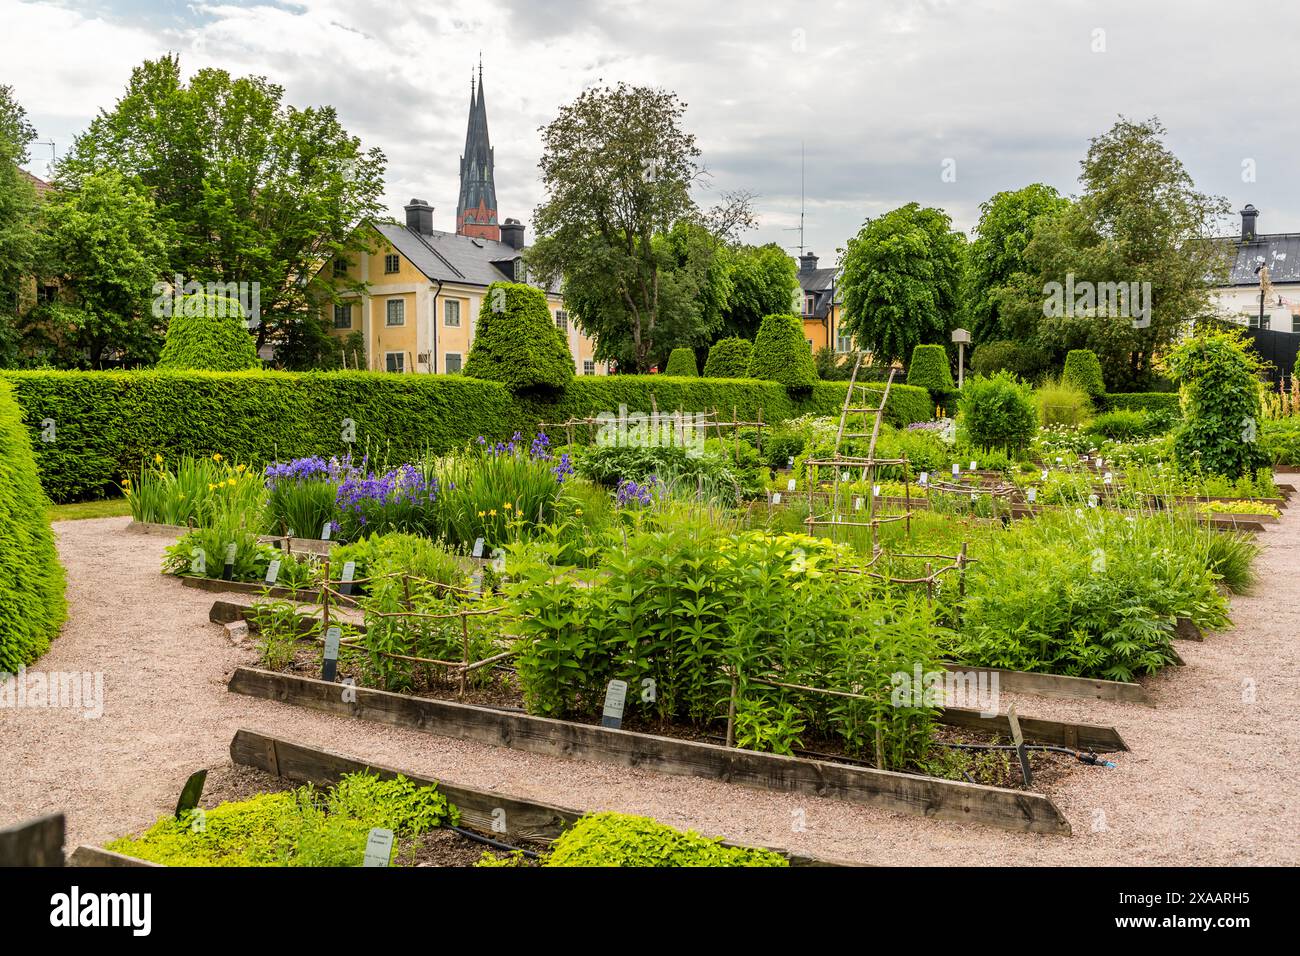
[{"x": 885, "y": 96}]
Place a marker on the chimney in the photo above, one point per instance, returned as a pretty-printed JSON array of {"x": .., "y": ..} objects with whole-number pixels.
[
  {"x": 512, "y": 233},
  {"x": 419, "y": 217},
  {"x": 1248, "y": 216},
  {"x": 807, "y": 262}
]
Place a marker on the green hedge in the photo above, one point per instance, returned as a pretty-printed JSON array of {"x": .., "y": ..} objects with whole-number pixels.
[
  {"x": 781, "y": 353},
  {"x": 1083, "y": 371},
  {"x": 1144, "y": 401},
  {"x": 32, "y": 606},
  {"x": 929, "y": 369},
  {"x": 729, "y": 358},
  {"x": 682, "y": 362},
  {"x": 105, "y": 423}
]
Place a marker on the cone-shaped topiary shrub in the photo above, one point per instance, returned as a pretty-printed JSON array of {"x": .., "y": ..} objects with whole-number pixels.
[
  {"x": 781, "y": 354},
  {"x": 1083, "y": 371},
  {"x": 32, "y": 607},
  {"x": 929, "y": 369},
  {"x": 729, "y": 358},
  {"x": 208, "y": 332},
  {"x": 516, "y": 342},
  {"x": 682, "y": 362}
]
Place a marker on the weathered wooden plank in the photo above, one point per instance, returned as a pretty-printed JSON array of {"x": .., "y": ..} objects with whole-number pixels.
[
  {"x": 899, "y": 792},
  {"x": 1186, "y": 630},
  {"x": 1059, "y": 686},
  {"x": 1037, "y": 730},
  {"x": 35, "y": 842},
  {"x": 97, "y": 856}
]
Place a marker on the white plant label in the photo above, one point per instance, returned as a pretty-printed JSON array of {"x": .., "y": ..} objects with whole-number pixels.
[
  {"x": 1032, "y": 495},
  {"x": 232, "y": 550},
  {"x": 332, "y": 639},
  {"x": 875, "y": 491},
  {"x": 325, "y": 531},
  {"x": 1092, "y": 501},
  {"x": 790, "y": 485},
  {"x": 615, "y": 698},
  {"x": 478, "y": 548},
  {"x": 379, "y": 847},
  {"x": 1107, "y": 478},
  {"x": 349, "y": 571},
  {"x": 925, "y": 478},
  {"x": 1043, "y": 476},
  {"x": 776, "y": 497},
  {"x": 790, "y": 462},
  {"x": 956, "y": 469},
  {"x": 972, "y": 466},
  {"x": 273, "y": 571},
  {"x": 857, "y": 504}
]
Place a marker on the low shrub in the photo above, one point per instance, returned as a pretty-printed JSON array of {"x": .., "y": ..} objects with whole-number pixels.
[
  {"x": 729, "y": 358},
  {"x": 997, "y": 412},
  {"x": 681, "y": 362},
  {"x": 1060, "y": 403},
  {"x": 1281, "y": 442},
  {"x": 617, "y": 839},
  {"x": 1218, "y": 372},
  {"x": 32, "y": 605}
]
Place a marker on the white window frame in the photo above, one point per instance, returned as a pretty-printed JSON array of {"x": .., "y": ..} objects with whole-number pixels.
[
  {"x": 809, "y": 304},
  {"x": 562, "y": 321},
  {"x": 388, "y": 313},
  {"x": 446, "y": 313},
  {"x": 588, "y": 367},
  {"x": 446, "y": 362},
  {"x": 401, "y": 363}
]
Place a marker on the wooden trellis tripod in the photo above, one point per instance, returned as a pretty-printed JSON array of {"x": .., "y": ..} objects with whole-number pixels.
[{"x": 856, "y": 402}]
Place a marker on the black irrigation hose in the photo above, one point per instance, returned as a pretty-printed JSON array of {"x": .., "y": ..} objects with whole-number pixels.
[
  {"x": 497, "y": 844},
  {"x": 1079, "y": 755}
]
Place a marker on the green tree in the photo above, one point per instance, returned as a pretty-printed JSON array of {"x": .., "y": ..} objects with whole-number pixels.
[
  {"x": 617, "y": 168},
  {"x": 208, "y": 332},
  {"x": 1139, "y": 220},
  {"x": 781, "y": 353},
  {"x": 682, "y": 362},
  {"x": 996, "y": 255},
  {"x": 763, "y": 282},
  {"x": 516, "y": 342},
  {"x": 18, "y": 206},
  {"x": 901, "y": 279},
  {"x": 102, "y": 241},
  {"x": 728, "y": 358},
  {"x": 248, "y": 189}
]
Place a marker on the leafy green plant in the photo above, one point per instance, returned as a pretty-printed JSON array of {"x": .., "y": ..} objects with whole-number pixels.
[
  {"x": 1083, "y": 371},
  {"x": 729, "y": 358},
  {"x": 208, "y": 332},
  {"x": 517, "y": 343},
  {"x": 1121, "y": 425},
  {"x": 1059, "y": 403},
  {"x": 997, "y": 412},
  {"x": 682, "y": 362},
  {"x": 616, "y": 839},
  {"x": 781, "y": 354},
  {"x": 1222, "y": 413}
]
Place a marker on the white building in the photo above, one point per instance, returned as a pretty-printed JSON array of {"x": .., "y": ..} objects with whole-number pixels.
[{"x": 1263, "y": 278}]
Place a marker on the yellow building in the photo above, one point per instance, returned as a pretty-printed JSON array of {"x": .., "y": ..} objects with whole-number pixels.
[
  {"x": 819, "y": 306},
  {"x": 421, "y": 290}
]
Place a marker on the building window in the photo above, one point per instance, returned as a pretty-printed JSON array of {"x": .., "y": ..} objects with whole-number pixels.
[
  {"x": 451, "y": 313},
  {"x": 453, "y": 363},
  {"x": 396, "y": 312},
  {"x": 340, "y": 268},
  {"x": 395, "y": 361},
  {"x": 844, "y": 343},
  {"x": 588, "y": 367},
  {"x": 1295, "y": 322},
  {"x": 391, "y": 264},
  {"x": 809, "y": 345},
  {"x": 562, "y": 321},
  {"x": 809, "y": 304},
  {"x": 343, "y": 316}
]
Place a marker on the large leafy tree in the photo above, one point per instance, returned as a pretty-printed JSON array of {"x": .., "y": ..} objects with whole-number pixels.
[
  {"x": 996, "y": 256},
  {"x": 18, "y": 205},
  {"x": 617, "y": 167},
  {"x": 1139, "y": 219},
  {"x": 901, "y": 277},
  {"x": 103, "y": 243},
  {"x": 247, "y": 188},
  {"x": 763, "y": 281}
]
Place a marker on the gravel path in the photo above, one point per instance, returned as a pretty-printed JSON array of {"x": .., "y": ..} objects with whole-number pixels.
[{"x": 1212, "y": 778}]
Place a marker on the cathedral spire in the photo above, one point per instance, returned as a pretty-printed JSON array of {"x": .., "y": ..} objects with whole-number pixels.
[{"x": 476, "y": 210}]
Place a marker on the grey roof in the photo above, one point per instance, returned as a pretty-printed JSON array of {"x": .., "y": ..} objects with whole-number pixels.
[
  {"x": 1279, "y": 251},
  {"x": 451, "y": 257},
  {"x": 819, "y": 283}
]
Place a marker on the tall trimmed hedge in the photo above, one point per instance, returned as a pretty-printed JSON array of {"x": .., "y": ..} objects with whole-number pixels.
[
  {"x": 781, "y": 354},
  {"x": 682, "y": 362},
  {"x": 729, "y": 358},
  {"x": 516, "y": 342},
  {"x": 1166, "y": 402},
  {"x": 208, "y": 332},
  {"x": 32, "y": 605},
  {"x": 929, "y": 369},
  {"x": 1083, "y": 371},
  {"x": 108, "y": 422}
]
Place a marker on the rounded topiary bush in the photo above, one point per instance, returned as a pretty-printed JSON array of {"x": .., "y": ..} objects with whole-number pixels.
[
  {"x": 1083, "y": 371},
  {"x": 32, "y": 606},
  {"x": 729, "y": 358},
  {"x": 997, "y": 412},
  {"x": 682, "y": 362},
  {"x": 929, "y": 369},
  {"x": 781, "y": 354},
  {"x": 208, "y": 332},
  {"x": 516, "y": 342}
]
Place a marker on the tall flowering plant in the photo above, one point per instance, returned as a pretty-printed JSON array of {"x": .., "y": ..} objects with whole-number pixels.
[
  {"x": 403, "y": 499},
  {"x": 301, "y": 493}
]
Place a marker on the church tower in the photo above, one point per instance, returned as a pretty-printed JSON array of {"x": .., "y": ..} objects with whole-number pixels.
[{"x": 476, "y": 210}]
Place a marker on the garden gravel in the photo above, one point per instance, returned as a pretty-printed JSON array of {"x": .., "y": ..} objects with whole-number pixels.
[{"x": 1212, "y": 777}]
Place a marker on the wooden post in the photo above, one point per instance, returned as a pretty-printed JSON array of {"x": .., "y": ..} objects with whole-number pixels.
[
  {"x": 731, "y": 714},
  {"x": 929, "y": 582},
  {"x": 464, "y": 653},
  {"x": 325, "y": 599}
]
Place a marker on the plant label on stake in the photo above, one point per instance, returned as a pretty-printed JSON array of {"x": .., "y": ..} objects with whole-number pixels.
[
  {"x": 273, "y": 571},
  {"x": 776, "y": 497},
  {"x": 1019, "y": 739},
  {"x": 228, "y": 571},
  {"x": 1107, "y": 478},
  {"x": 972, "y": 466},
  {"x": 790, "y": 485},
  {"x": 1032, "y": 495},
  {"x": 615, "y": 697},
  {"x": 1092, "y": 501},
  {"x": 1044, "y": 475},
  {"x": 349, "y": 572},
  {"x": 325, "y": 532},
  {"x": 789, "y": 463},
  {"x": 956, "y": 469},
  {"x": 330, "y": 665},
  {"x": 857, "y": 503},
  {"x": 925, "y": 478},
  {"x": 476, "y": 582},
  {"x": 499, "y": 561},
  {"x": 379, "y": 847},
  {"x": 478, "y": 548}
]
